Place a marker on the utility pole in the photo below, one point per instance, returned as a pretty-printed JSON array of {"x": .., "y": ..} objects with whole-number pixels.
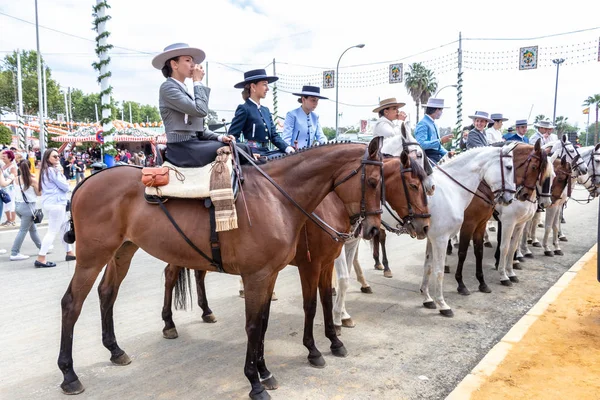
[
  {"x": 556, "y": 61},
  {"x": 39, "y": 73},
  {"x": 459, "y": 83}
]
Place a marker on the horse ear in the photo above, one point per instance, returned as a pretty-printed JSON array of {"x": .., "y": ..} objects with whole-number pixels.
[
  {"x": 404, "y": 159},
  {"x": 537, "y": 147},
  {"x": 564, "y": 138},
  {"x": 597, "y": 147},
  {"x": 374, "y": 146}
]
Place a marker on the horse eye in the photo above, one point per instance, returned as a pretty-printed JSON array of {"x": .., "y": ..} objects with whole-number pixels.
[
  {"x": 509, "y": 167},
  {"x": 372, "y": 182},
  {"x": 413, "y": 186}
]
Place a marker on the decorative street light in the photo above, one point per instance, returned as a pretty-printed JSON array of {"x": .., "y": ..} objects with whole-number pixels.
[
  {"x": 337, "y": 80},
  {"x": 556, "y": 61},
  {"x": 436, "y": 93}
]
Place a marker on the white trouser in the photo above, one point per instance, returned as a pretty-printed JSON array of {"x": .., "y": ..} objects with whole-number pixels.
[{"x": 57, "y": 223}]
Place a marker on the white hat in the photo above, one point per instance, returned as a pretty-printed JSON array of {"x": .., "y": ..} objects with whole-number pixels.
[
  {"x": 544, "y": 124},
  {"x": 498, "y": 117},
  {"x": 481, "y": 115},
  {"x": 435, "y": 103},
  {"x": 176, "y": 50},
  {"x": 385, "y": 103}
]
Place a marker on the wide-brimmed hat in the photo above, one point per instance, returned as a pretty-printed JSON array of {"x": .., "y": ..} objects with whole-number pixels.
[
  {"x": 544, "y": 124},
  {"x": 481, "y": 115},
  {"x": 312, "y": 91},
  {"x": 498, "y": 117},
  {"x": 176, "y": 50},
  {"x": 511, "y": 129},
  {"x": 385, "y": 103},
  {"x": 256, "y": 75},
  {"x": 434, "y": 103},
  {"x": 521, "y": 122}
]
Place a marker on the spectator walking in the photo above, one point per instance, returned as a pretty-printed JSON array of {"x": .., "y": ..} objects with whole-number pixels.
[{"x": 26, "y": 192}]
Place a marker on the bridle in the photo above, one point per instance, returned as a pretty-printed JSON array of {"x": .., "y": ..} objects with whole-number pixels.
[
  {"x": 410, "y": 215},
  {"x": 357, "y": 219},
  {"x": 593, "y": 175},
  {"x": 576, "y": 161},
  {"x": 527, "y": 164}
]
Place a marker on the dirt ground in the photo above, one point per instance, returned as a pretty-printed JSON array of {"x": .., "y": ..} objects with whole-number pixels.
[{"x": 559, "y": 357}]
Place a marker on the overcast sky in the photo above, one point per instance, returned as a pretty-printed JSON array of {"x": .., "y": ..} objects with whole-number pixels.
[{"x": 249, "y": 34}]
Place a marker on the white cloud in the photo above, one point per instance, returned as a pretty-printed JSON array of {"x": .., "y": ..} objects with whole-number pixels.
[{"x": 250, "y": 33}]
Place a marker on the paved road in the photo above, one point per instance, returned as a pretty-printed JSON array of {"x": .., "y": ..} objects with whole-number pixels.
[{"x": 398, "y": 349}]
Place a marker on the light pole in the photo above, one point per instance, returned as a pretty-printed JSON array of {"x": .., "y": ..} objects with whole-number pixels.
[
  {"x": 436, "y": 93},
  {"x": 556, "y": 61},
  {"x": 337, "y": 81}
]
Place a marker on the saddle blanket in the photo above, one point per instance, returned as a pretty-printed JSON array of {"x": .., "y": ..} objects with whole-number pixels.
[{"x": 186, "y": 183}]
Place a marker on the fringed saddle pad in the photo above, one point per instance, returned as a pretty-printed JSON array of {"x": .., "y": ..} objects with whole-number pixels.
[{"x": 195, "y": 183}]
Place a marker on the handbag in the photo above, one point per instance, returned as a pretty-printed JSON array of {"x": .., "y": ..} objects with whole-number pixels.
[
  {"x": 36, "y": 215},
  {"x": 4, "y": 196}
]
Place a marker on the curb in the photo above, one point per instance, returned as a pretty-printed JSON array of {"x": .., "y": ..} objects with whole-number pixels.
[{"x": 486, "y": 367}]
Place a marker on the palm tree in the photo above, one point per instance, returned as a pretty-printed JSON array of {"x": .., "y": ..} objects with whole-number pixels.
[
  {"x": 420, "y": 83},
  {"x": 594, "y": 101},
  {"x": 539, "y": 118}
]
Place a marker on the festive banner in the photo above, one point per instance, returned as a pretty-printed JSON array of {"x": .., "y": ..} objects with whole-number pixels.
[
  {"x": 396, "y": 73},
  {"x": 528, "y": 57},
  {"x": 328, "y": 79}
]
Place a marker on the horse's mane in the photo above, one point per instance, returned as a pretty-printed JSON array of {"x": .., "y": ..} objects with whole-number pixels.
[
  {"x": 417, "y": 170},
  {"x": 460, "y": 156}
]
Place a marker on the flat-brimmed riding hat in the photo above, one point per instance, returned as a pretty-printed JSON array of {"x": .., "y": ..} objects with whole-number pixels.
[
  {"x": 385, "y": 103},
  {"x": 521, "y": 122},
  {"x": 256, "y": 75},
  {"x": 544, "y": 124},
  {"x": 312, "y": 91},
  {"x": 434, "y": 103},
  {"x": 176, "y": 50},
  {"x": 481, "y": 115},
  {"x": 498, "y": 117}
]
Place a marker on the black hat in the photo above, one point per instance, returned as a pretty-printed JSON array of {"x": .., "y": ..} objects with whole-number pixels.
[
  {"x": 256, "y": 75},
  {"x": 313, "y": 91}
]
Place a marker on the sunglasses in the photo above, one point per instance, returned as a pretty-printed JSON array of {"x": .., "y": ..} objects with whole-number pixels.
[{"x": 54, "y": 156}]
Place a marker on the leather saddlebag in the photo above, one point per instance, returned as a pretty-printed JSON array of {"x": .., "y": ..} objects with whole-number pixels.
[{"x": 155, "y": 177}]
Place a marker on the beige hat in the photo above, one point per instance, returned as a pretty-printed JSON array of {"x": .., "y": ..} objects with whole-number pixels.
[
  {"x": 175, "y": 50},
  {"x": 388, "y": 103}
]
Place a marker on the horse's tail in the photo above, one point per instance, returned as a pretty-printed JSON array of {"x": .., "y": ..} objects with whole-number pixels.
[{"x": 182, "y": 287}]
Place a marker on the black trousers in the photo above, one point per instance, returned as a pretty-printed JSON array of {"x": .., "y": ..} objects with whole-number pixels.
[{"x": 197, "y": 153}]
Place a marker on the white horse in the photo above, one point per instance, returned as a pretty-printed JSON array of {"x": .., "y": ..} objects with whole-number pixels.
[{"x": 456, "y": 184}]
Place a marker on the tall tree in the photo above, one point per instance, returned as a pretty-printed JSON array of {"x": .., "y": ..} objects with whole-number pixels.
[
  {"x": 539, "y": 118},
  {"x": 420, "y": 83},
  {"x": 594, "y": 101},
  {"x": 8, "y": 80}
]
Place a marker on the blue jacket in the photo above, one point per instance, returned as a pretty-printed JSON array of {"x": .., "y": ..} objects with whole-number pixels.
[
  {"x": 256, "y": 124},
  {"x": 516, "y": 138},
  {"x": 426, "y": 133},
  {"x": 306, "y": 129}
]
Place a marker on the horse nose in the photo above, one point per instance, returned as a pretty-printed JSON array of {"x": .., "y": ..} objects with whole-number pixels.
[
  {"x": 373, "y": 232},
  {"x": 426, "y": 229}
]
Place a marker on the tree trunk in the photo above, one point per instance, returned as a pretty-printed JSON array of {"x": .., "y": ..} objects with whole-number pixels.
[
  {"x": 419, "y": 104},
  {"x": 597, "y": 139}
]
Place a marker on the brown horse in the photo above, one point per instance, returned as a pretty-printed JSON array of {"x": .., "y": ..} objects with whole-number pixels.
[
  {"x": 530, "y": 162},
  {"x": 403, "y": 179},
  {"x": 112, "y": 221}
]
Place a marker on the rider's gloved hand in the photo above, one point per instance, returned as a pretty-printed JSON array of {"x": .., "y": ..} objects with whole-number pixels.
[{"x": 289, "y": 150}]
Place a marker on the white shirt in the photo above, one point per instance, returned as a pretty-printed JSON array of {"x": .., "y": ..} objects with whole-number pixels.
[
  {"x": 493, "y": 135},
  {"x": 257, "y": 105},
  {"x": 386, "y": 128}
]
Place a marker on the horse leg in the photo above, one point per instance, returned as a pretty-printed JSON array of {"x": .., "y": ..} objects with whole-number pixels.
[
  {"x": 207, "y": 314},
  {"x": 350, "y": 248},
  {"x": 498, "y": 243},
  {"x": 465, "y": 237},
  {"x": 514, "y": 243},
  {"x": 507, "y": 229},
  {"x": 241, "y": 288},
  {"x": 449, "y": 249},
  {"x": 427, "y": 271},
  {"x": 533, "y": 232},
  {"x": 108, "y": 290},
  {"x": 360, "y": 276},
  {"x": 548, "y": 226},
  {"x": 325, "y": 292},
  {"x": 258, "y": 301},
  {"x": 87, "y": 268},
  {"x": 343, "y": 278},
  {"x": 309, "y": 276},
  {"x": 525, "y": 251},
  {"x": 375, "y": 248},
  {"x": 556, "y": 233},
  {"x": 171, "y": 274},
  {"x": 478, "y": 245},
  {"x": 387, "y": 272},
  {"x": 438, "y": 260}
]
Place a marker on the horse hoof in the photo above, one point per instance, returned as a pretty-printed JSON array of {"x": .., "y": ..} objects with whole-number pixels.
[
  {"x": 563, "y": 239},
  {"x": 464, "y": 291},
  {"x": 446, "y": 269},
  {"x": 260, "y": 396},
  {"x": 121, "y": 360},
  {"x": 506, "y": 283},
  {"x": 485, "y": 289},
  {"x": 171, "y": 333},
  {"x": 339, "y": 352},
  {"x": 528, "y": 241},
  {"x": 338, "y": 330},
  {"x": 270, "y": 383},
  {"x": 379, "y": 267},
  {"x": 513, "y": 279},
  {"x": 74, "y": 387},
  {"x": 367, "y": 290},
  {"x": 388, "y": 274},
  {"x": 430, "y": 305},
  {"x": 447, "y": 313},
  {"x": 529, "y": 255},
  {"x": 548, "y": 253},
  {"x": 536, "y": 244},
  {"x": 274, "y": 297},
  {"x": 333, "y": 292},
  {"x": 317, "y": 361},
  {"x": 242, "y": 294},
  {"x": 488, "y": 244},
  {"x": 559, "y": 252},
  {"x": 520, "y": 259},
  {"x": 210, "y": 318},
  {"x": 496, "y": 266},
  {"x": 517, "y": 266},
  {"x": 348, "y": 323}
]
